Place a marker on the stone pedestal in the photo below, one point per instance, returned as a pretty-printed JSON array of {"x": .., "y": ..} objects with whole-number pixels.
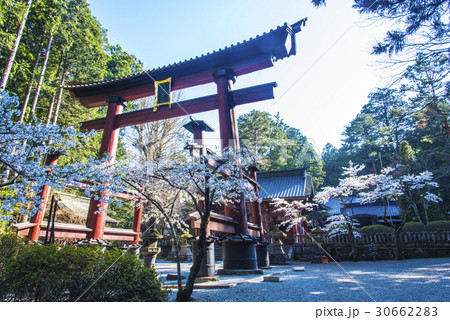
[
  {"x": 239, "y": 252},
  {"x": 298, "y": 251},
  {"x": 184, "y": 253},
  {"x": 276, "y": 252},
  {"x": 149, "y": 248},
  {"x": 149, "y": 255},
  {"x": 208, "y": 267},
  {"x": 262, "y": 255}
]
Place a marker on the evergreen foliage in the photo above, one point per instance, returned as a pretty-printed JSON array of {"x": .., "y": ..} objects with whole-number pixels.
[
  {"x": 440, "y": 225},
  {"x": 376, "y": 228},
  {"x": 413, "y": 226},
  {"x": 61, "y": 42},
  {"x": 52, "y": 273},
  {"x": 278, "y": 145},
  {"x": 407, "y": 126}
]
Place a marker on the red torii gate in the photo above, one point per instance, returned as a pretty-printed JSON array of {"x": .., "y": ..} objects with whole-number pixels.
[{"x": 220, "y": 66}]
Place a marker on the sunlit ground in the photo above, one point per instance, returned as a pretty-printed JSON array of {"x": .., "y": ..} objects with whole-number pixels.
[{"x": 381, "y": 281}]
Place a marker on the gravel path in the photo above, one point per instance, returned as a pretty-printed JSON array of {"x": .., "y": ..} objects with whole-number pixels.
[{"x": 382, "y": 281}]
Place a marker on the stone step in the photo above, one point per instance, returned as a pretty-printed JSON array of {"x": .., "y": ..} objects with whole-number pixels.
[
  {"x": 299, "y": 269},
  {"x": 271, "y": 279}
]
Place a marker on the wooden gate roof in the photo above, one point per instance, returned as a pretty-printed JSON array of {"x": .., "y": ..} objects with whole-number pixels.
[{"x": 245, "y": 57}]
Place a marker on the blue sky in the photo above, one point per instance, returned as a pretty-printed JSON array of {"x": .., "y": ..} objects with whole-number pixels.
[{"x": 320, "y": 90}]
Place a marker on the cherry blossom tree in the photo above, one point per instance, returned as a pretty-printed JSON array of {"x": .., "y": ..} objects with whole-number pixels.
[
  {"x": 23, "y": 149},
  {"x": 294, "y": 211},
  {"x": 338, "y": 224},
  {"x": 415, "y": 189},
  {"x": 164, "y": 202},
  {"x": 346, "y": 193},
  {"x": 204, "y": 181}
]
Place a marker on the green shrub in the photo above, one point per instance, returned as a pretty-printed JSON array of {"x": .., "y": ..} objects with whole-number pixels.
[
  {"x": 376, "y": 228},
  {"x": 52, "y": 273},
  {"x": 10, "y": 244},
  {"x": 413, "y": 227},
  {"x": 441, "y": 225}
]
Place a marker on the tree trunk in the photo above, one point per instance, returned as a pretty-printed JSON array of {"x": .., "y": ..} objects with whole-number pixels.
[
  {"x": 41, "y": 77},
  {"x": 52, "y": 102},
  {"x": 396, "y": 244},
  {"x": 30, "y": 87},
  {"x": 351, "y": 236},
  {"x": 50, "y": 109},
  {"x": 12, "y": 55},
  {"x": 373, "y": 165},
  {"x": 352, "y": 240},
  {"x": 445, "y": 124},
  {"x": 58, "y": 101},
  {"x": 416, "y": 211},
  {"x": 185, "y": 294}
]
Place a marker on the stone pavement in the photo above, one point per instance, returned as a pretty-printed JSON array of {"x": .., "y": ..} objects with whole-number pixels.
[{"x": 164, "y": 268}]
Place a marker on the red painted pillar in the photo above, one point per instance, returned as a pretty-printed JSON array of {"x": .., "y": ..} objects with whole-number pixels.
[
  {"x": 110, "y": 139},
  {"x": 256, "y": 206},
  {"x": 34, "y": 232},
  {"x": 138, "y": 207},
  {"x": 229, "y": 136}
]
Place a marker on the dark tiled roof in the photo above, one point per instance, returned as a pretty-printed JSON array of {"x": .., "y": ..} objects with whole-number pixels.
[
  {"x": 284, "y": 184},
  {"x": 374, "y": 209},
  {"x": 200, "y": 123},
  {"x": 233, "y": 50},
  {"x": 334, "y": 206}
]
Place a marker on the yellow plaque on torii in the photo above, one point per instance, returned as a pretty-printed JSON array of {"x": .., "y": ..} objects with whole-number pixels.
[{"x": 163, "y": 96}]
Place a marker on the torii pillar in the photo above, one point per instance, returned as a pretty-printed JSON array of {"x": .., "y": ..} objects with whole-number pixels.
[
  {"x": 35, "y": 231},
  {"x": 96, "y": 219},
  {"x": 229, "y": 136}
]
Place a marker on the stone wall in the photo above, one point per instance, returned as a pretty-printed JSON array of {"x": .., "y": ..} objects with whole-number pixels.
[{"x": 380, "y": 246}]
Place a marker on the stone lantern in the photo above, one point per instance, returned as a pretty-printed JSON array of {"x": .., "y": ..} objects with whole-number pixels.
[
  {"x": 276, "y": 251},
  {"x": 184, "y": 253},
  {"x": 149, "y": 248}
]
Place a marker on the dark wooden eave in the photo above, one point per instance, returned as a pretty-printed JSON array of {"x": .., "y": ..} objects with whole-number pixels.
[{"x": 246, "y": 57}]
